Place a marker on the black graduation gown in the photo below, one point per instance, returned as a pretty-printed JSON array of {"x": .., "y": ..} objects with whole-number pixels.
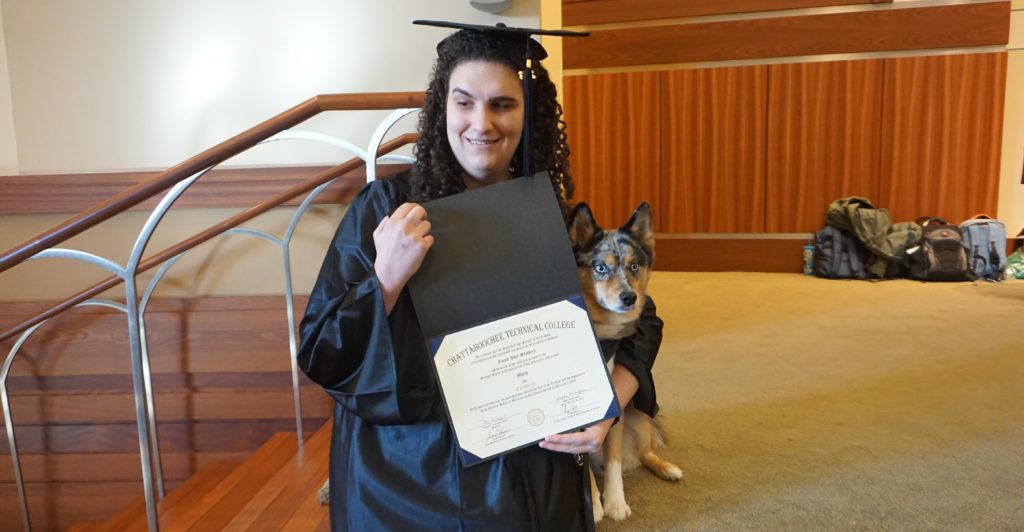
[{"x": 394, "y": 463}]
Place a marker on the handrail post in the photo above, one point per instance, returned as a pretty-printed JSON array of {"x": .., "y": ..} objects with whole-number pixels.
[
  {"x": 141, "y": 408},
  {"x": 293, "y": 351},
  {"x": 12, "y": 443}
]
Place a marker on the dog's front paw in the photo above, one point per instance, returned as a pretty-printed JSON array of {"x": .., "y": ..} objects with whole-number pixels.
[
  {"x": 598, "y": 511},
  {"x": 323, "y": 495},
  {"x": 617, "y": 509},
  {"x": 671, "y": 472}
]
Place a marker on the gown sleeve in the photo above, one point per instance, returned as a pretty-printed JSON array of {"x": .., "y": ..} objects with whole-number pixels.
[
  {"x": 371, "y": 364},
  {"x": 637, "y": 354}
]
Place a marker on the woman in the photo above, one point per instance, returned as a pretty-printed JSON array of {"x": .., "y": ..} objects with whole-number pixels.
[{"x": 394, "y": 462}]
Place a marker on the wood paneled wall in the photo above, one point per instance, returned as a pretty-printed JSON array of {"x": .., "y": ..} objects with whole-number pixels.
[
  {"x": 222, "y": 382},
  {"x": 576, "y": 12},
  {"x": 942, "y": 134},
  {"x": 766, "y": 148},
  {"x": 703, "y": 164},
  {"x": 824, "y": 126},
  {"x": 712, "y": 150},
  {"x": 974, "y": 24},
  {"x": 613, "y": 121}
]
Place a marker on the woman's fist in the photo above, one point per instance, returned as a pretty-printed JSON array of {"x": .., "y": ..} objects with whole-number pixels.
[{"x": 402, "y": 240}]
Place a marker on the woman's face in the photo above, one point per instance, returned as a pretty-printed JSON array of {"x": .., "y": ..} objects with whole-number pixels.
[{"x": 484, "y": 119}]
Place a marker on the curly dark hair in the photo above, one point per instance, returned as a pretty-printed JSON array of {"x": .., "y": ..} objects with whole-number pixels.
[{"x": 436, "y": 172}]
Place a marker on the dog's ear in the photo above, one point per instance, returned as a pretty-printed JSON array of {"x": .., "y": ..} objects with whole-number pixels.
[
  {"x": 582, "y": 227},
  {"x": 641, "y": 228}
]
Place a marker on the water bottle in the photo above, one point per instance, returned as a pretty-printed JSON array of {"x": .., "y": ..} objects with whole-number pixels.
[{"x": 809, "y": 258}]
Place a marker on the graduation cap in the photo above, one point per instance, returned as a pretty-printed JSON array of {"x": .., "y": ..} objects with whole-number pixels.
[{"x": 532, "y": 51}]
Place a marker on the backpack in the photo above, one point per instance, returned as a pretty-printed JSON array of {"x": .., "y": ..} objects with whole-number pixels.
[
  {"x": 941, "y": 255},
  {"x": 985, "y": 240},
  {"x": 839, "y": 255}
]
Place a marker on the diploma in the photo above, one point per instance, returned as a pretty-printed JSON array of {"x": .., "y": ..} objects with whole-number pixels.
[
  {"x": 499, "y": 303},
  {"x": 511, "y": 382}
]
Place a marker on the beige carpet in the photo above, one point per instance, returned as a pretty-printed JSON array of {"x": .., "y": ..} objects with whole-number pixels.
[{"x": 796, "y": 403}]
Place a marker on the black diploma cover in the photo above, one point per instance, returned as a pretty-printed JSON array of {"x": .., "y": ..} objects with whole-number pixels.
[{"x": 501, "y": 257}]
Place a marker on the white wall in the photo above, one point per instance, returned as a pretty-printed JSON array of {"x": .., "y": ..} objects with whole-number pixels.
[
  {"x": 8, "y": 146},
  {"x": 104, "y": 85},
  {"x": 109, "y": 85},
  {"x": 1011, "y": 191}
]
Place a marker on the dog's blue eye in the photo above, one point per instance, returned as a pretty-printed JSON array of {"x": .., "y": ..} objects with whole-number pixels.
[
  {"x": 635, "y": 267},
  {"x": 600, "y": 268}
]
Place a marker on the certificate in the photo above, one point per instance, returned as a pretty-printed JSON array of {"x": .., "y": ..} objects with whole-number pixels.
[
  {"x": 511, "y": 382},
  {"x": 499, "y": 303}
]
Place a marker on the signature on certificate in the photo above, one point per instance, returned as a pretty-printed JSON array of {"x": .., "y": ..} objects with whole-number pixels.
[
  {"x": 494, "y": 430},
  {"x": 576, "y": 404}
]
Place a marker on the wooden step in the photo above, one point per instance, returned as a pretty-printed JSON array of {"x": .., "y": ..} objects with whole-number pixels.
[
  {"x": 124, "y": 515},
  {"x": 221, "y": 503},
  {"x": 275, "y": 488},
  {"x": 186, "y": 495},
  {"x": 133, "y": 516},
  {"x": 309, "y": 515},
  {"x": 291, "y": 489},
  {"x": 297, "y": 506}
]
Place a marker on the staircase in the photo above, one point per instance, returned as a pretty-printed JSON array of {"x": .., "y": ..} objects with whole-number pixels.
[
  {"x": 272, "y": 490},
  {"x": 275, "y": 488}
]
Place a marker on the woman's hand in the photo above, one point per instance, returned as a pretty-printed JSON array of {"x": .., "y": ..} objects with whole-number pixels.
[
  {"x": 588, "y": 440},
  {"x": 402, "y": 240}
]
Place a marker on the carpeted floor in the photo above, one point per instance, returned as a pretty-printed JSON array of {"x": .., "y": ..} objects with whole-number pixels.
[{"x": 797, "y": 403}]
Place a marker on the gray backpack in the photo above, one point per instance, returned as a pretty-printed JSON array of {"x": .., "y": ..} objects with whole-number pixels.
[
  {"x": 839, "y": 255},
  {"x": 985, "y": 240},
  {"x": 941, "y": 255}
]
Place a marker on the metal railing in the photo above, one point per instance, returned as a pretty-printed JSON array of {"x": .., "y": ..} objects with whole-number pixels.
[{"x": 177, "y": 180}]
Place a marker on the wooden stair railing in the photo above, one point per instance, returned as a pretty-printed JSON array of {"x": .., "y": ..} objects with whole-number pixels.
[
  {"x": 211, "y": 232},
  {"x": 405, "y": 101},
  {"x": 144, "y": 191},
  {"x": 215, "y": 155}
]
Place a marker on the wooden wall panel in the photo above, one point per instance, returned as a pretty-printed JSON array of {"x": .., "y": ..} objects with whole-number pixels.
[
  {"x": 57, "y": 506},
  {"x": 713, "y": 150},
  {"x": 942, "y": 135},
  {"x": 679, "y": 253},
  {"x": 191, "y": 437},
  {"x": 171, "y": 405},
  {"x": 613, "y": 128},
  {"x": 576, "y": 12},
  {"x": 224, "y": 188},
  {"x": 950, "y": 26},
  {"x": 104, "y": 467},
  {"x": 181, "y": 332},
  {"x": 824, "y": 122}
]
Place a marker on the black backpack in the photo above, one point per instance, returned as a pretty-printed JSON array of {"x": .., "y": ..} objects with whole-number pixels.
[
  {"x": 941, "y": 255},
  {"x": 839, "y": 255}
]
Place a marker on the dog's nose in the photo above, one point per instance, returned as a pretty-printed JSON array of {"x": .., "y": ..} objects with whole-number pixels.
[{"x": 628, "y": 298}]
